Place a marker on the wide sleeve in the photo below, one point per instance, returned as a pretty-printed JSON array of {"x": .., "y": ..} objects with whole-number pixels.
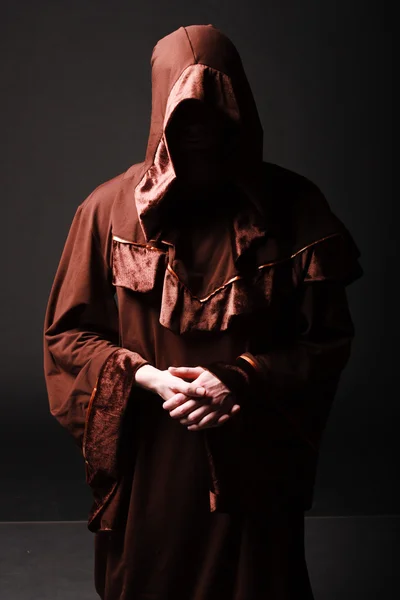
[
  {"x": 300, "y": 376},
  {"x": 88, "y": 375}
]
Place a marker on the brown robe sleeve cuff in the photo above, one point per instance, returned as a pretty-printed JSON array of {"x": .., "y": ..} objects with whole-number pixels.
[
  {"x": 104, "y": 433},
  {"x": 106, "y": 409}
]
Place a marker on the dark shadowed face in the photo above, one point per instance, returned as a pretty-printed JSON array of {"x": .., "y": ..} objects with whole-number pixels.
[{"x": 197, "y": 137}]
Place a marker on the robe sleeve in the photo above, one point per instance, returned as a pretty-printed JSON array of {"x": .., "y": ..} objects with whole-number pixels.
[
  {"x": 300, "y": 376},
  {"x": 88, "y": 374}
]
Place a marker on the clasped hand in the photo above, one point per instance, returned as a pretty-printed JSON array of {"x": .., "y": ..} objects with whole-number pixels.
[{"x": 212, "y": 402}]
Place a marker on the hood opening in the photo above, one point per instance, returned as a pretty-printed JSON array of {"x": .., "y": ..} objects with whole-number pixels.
[{"x": 201, "y": 142}]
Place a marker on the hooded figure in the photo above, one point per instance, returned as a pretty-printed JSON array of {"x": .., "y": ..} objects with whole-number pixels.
[{"x": 203, "y": 257}]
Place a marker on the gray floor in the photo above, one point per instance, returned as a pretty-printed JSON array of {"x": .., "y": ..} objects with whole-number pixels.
[{"x": 348, "y": 557}]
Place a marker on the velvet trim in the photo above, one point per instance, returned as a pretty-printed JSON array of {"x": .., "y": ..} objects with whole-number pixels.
[{"x": 103, "y": 426}]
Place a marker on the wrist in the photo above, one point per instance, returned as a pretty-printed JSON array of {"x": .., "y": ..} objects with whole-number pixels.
[
  {"x": 145, "y": 376},
  {"x": 233, "y": 376}
]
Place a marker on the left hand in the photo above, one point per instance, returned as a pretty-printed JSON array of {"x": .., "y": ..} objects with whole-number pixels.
[{"x": 212, "y": 410}]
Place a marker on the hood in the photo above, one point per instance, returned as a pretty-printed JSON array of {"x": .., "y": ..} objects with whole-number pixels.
[{"x": 198, "y": 62}]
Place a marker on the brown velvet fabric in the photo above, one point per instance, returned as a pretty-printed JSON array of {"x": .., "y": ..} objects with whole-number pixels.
[
  {"x": 102, "y": 446},
  {"x": 255, "y": 292}
]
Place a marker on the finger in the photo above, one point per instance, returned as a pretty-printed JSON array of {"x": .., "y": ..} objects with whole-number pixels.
[
  {"x": 197, "y": 390},
  {"x": 174, "y": 401},
  {"x": 222, "y": 419},
  {"x": 218, "y": 423},
  {"x": 195, "y": 415},
  {"x": 206, "y": 421},
  {"x": 189, "y": 372},
  {"x": 199, "y": 413},
  {"x": 189, "y": 389},
  {"x": 189, "y": 369},
  {"x": 184, "y": 409}
]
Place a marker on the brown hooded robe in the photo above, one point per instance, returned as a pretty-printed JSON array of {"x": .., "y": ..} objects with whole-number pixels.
[{"x": 216, "y": 514}]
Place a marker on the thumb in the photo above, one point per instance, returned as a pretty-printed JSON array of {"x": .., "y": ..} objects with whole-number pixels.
[{"x": 191, "y": 371}]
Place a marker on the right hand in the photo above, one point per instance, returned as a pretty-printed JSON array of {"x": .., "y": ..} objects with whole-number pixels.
[{"x": 167, "y": 385}]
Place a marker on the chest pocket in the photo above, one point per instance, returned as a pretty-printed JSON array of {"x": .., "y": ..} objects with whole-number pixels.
[{"x": 138, "y": 267}]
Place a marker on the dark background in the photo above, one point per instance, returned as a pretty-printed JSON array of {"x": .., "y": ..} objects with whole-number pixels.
[{"x": 75, "y": 111}]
